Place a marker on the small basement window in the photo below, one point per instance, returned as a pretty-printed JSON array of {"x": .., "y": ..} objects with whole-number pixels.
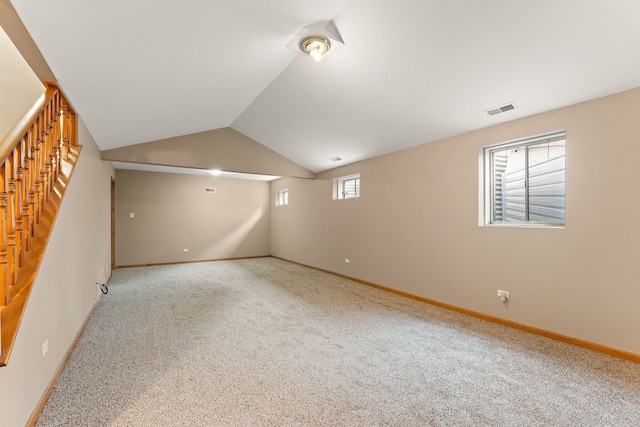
[
  {"x": 283, "y": 197},
  {"x": 524, "y": 182},
  {"x": 346, "y": 187}
]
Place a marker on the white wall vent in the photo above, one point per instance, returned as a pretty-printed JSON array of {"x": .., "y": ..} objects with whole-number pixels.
[
  {"x": 501, "y": 109},
  {"x": 209, "y": 189}
]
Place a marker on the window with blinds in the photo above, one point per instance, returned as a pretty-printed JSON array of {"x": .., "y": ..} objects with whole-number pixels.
[
  {"x": 283, "y": 197},
  {"x": 346, "y": 187},
  {"x": 525, "y": 181}
]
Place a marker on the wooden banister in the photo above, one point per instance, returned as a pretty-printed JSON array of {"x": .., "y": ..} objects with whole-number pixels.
[
  {"x": 36, "y": 161},
  {"x": 19, "y": 131}
]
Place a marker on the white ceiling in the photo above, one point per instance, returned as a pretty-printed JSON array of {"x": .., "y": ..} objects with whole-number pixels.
[{"x": 410, "y": 71}]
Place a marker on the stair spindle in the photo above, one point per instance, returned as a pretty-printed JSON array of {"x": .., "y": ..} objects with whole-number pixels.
[{"x": 36, "y": 160}]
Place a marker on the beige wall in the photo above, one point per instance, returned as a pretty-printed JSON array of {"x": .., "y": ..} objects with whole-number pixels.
[
  {"x": 415, "y": 227},
  {"x": 172, "y": 212},
  {"x": 223, "y": 149},
  {"x": 15, "y": 29},
  {"x": 19, "y": 86},
  {"x": 65, "y": 291}
]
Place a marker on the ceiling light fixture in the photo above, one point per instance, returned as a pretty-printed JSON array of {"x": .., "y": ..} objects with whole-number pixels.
[
  {"x": 315, "y": 46},
  {"x": 319, "y": 41},
  {"x": 215, "y": 172}
]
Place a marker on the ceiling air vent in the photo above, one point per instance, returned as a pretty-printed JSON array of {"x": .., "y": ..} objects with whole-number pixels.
[
  {"x": 209, "y": 189},
  {"x": 501, "y": 109}
]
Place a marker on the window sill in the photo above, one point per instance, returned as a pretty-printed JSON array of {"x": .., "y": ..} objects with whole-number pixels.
[{"x": 522, "y": 225}]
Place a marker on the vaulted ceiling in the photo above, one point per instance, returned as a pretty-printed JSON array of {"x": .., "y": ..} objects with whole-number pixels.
[{"x": 410, "y": 71}]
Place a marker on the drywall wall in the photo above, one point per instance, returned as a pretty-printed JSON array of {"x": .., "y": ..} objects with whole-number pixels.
[
  {"x": 15, "y": 29},
  {"x": 64, "y": 292},
  {"x": 223, "y": 149},
  {"x": 19, "y": 86},
  {"x": 172, "y": 212},
  {"x": 415, "y": 227}
]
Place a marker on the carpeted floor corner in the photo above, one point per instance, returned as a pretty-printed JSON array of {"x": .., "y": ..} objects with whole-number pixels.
[{"x": 264, "y": 342}]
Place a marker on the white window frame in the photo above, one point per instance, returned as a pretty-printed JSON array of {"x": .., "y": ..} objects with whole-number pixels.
[
  {"x": 339, "y": 192},
  {"x": 486, "y": 208},
  {"x": 282, "y": 197}
]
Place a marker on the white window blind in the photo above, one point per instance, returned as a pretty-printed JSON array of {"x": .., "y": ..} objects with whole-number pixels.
[
  {"x": 346, "y": 187},
  {"x": 525, "y": 181},
  {"x": 283, "y": 197}
]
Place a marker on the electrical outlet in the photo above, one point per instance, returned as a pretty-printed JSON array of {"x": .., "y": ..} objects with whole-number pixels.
[
  {"x": 45, "y": 347},
  {"x": 185, "y": 250},
  {"x": 504, "y": 295},
  {"x": 346, "y": 261},
  {"x": 132, "y": 215}
]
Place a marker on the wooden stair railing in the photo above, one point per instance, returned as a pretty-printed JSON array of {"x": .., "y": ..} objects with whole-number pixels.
[{"x": 37, "y": 158}]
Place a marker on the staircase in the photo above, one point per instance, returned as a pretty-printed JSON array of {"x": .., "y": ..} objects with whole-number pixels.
[{"x": 37, "y": 159}]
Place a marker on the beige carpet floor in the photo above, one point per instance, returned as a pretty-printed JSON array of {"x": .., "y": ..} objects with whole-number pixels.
[{"x": 264, "y": 342}]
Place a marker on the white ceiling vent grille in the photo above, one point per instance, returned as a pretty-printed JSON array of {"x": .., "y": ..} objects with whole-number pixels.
[
  {"x": 209, "y": 189},
  {"x": 501, "y": 109}
]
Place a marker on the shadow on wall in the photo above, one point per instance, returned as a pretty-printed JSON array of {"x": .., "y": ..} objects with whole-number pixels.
[{"x": 233, "y": 239}]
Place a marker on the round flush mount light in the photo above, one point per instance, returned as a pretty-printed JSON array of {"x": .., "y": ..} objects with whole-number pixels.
[{"x": 315, "y": 46}]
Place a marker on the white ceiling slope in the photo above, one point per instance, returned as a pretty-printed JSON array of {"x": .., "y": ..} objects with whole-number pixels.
[{"x": 410, "y": 72}]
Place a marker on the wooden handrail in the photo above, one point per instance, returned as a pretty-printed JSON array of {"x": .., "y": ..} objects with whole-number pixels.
[
  {"x": 12, "y": 139},
  {"x": 36, "y": 160}
]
